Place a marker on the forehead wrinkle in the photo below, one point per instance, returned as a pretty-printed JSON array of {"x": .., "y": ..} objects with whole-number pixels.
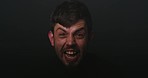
[
  {"x": 79, "y": 25},
  {"x": 73, "y": 30},
  {"x": 59, "y": 26}
]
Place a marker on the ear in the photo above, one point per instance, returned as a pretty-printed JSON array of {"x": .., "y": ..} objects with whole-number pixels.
[{"x": 51, "y": 37}]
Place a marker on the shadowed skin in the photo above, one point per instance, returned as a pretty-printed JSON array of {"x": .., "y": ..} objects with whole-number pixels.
[{"x": 72, "y": 39}]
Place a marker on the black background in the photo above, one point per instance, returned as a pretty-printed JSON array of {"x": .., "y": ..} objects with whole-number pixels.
[{"x": 120, "y": 34}]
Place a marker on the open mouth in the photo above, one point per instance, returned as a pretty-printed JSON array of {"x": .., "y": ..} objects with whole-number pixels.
[{"x": 71, "y": 56}]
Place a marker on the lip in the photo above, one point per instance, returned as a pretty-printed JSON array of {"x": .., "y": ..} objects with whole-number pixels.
[
  {"x": 71, "y": 52},
  {"x": 71, "y": 58}
]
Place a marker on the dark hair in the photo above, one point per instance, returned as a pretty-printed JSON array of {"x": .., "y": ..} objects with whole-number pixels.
[{"x": 70, "y": 12}]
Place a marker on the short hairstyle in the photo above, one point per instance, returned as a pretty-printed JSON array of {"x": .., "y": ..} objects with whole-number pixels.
[{"x": 70, "y": 12}]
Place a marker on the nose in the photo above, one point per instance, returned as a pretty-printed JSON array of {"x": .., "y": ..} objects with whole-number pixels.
[{"x": 70, "y": 41}]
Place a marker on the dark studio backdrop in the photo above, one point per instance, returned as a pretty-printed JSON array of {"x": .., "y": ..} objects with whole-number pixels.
[{"x": 120, "y": 34}]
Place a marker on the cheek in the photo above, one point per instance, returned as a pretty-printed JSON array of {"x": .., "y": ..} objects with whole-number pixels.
[
  {"x": 59, "y": 43},
  {"x": 81, "y": 43}
]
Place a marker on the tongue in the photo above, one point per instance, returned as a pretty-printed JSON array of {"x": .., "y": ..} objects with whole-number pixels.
[{"x": 70, "y": 58}]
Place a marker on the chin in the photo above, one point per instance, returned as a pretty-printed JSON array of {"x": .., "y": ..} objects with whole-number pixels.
[{"x": 71, "y": 62}]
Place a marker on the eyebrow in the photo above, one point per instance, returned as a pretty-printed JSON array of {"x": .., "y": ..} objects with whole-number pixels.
[
  {"x": 60, "y": 29},
  {"x": 82, "y": 28}
]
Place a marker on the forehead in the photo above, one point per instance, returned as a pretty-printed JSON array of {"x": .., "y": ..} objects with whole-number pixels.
[{"x": 78, "y": 25}]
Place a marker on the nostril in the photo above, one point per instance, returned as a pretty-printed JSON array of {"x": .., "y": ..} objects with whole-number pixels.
[{"x": 72, "y": 42}]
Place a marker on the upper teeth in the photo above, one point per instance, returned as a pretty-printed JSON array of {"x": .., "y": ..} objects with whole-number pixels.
[{"x": 70, "y": 52}]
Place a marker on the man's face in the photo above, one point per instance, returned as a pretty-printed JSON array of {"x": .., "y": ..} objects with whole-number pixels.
[{"x": 70, "y": 43}]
